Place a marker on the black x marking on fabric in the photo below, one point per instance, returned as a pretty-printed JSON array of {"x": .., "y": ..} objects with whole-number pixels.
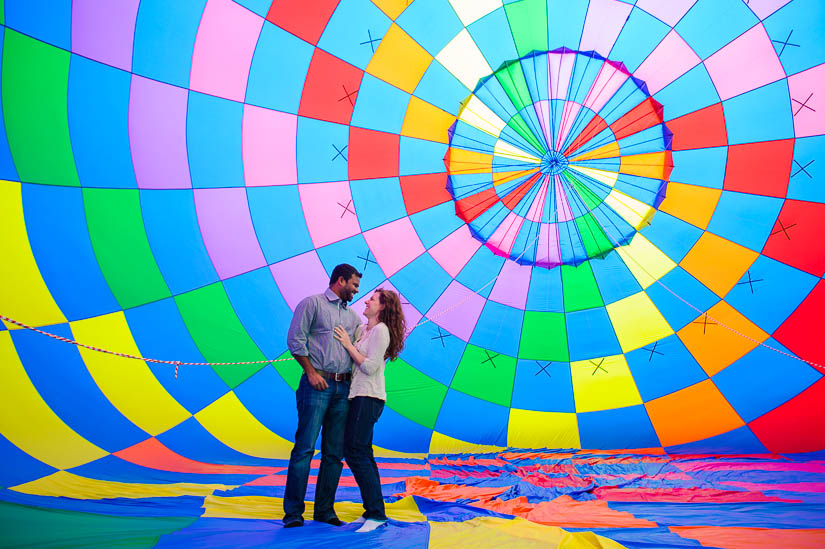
[
  {"x": 704, "y": 322},
  {"x": 370, "y": 41},
  {"x": 802, "y": 169},
  {"x": 653, "y": 351},
  {"x": 786, "y": 42},
  {"x": 543, "y": 368},
  {"x": 803, "y": 105},
  {"x": 339, "y": 152},
  {"x": 346, "y": 208},
  {"x": 749, "y": 281},
  {"x": 367, "y": 260},
  {"x": 783, "y": 229},
  {"x": 490, "y": 358},
  {"x": 348, "y": 95},
  {"x": 440, "y": 336},
  {"x": 598, "y": 367}
]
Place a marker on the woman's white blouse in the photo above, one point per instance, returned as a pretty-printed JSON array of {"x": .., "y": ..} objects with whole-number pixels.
[{"x": 368, "y": 377}]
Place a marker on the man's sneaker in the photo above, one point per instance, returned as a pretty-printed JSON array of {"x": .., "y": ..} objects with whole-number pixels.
[{"x": 370, "y": 525}]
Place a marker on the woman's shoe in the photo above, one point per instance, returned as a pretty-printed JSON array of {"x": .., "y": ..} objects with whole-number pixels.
[{"x": 370, "y": 525}]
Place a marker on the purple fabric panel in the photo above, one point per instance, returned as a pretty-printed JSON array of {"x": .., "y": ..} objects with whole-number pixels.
[
  {"x": 300, "y": 276},
  {"x": 104, "y": 30}
]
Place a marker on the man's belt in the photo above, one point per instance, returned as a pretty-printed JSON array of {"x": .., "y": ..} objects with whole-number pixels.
[{"x": 334, "y": 376}]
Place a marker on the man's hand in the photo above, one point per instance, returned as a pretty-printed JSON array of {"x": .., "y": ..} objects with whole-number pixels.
[{"x": 318, "y": 383}]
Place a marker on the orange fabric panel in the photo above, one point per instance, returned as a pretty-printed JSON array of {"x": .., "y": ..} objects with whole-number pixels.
[
  {"x": 566, "y": 512},
  {"x": 715, "y": 347},
  {"x": 718, "y": 263},
  {"x": 691, "y": 203},
  {"x": 653, "y": 165},
  {"x": 459, "y": 161},
  {"x": 747, "y": 170},
  {"x": 433, "y": 489},
  {"x": 611, "y": 150},
  {"x": 699, "y": 129},
  {"x": 645, "y": 115},
  {"x": 504, "y": 177},
  {"x": 693, "y": 413},
  {"x": 730, "y": 537},
  {"x": 421, "y": 192}
]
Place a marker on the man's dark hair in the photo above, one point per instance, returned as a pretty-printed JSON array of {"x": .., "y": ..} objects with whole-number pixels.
[{"x": 344, "y": 269}]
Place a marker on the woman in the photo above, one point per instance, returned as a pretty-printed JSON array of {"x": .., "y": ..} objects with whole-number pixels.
[{"x": 380, "y": 339}]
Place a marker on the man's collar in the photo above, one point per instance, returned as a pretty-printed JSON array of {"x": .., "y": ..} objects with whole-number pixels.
[{"x": 332, "y": 296}]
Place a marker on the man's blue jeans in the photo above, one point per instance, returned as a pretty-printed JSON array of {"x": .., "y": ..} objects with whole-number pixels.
[
  {"x": 363, "y": 413},
  {"x": 317, "y": 409}
]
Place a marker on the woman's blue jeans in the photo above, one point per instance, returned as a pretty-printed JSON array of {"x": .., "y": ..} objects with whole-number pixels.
[
  {"x": 317, "y": 409},
  {"x": 363, "y": 413}
]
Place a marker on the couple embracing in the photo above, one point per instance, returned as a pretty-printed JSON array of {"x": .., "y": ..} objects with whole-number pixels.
[{"x": 341, "y": 394}]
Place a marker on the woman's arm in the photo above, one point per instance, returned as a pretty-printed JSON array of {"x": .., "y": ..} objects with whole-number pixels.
[{"x": 376, "y": 348}]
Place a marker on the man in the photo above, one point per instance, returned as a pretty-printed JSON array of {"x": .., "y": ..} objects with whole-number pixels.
[{"x": 322, "y": 394}]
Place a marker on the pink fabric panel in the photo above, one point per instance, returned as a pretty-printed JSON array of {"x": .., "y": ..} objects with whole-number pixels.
[
  {"x": 329, "y": 212},
  {"x": 501, "y": 241},
  {"x": 512, "y": 284},
  {"x": 560, "y": 69},
  {"x": 604, "y": 21},
  {"x": 269, "y": 139},
  {"x": 764, "y": 8},
  {"x": 542, "y": 109},
  {"x": 548, "y": 253},
  {"x": 801, "y": 85},
  {"x": 411, "y": 314},
  {"x": 568, "y": 117},
  {"x": 394, "y": 245},
  {"x": 300, "y": 276},
  {"x": 454, "y": 251},
  {"x": 607, "y": 83},
  {"x": 537, "y": 207},
  {"x": 226, "y": 227},
  {"x": 224, "y": 45},
  {"x": 457, "y": 310},
  {"x": 671, "y": 59},
  {"x": 669, "y": 11},
  {"x": 746, "y": 63},
  {"x": 157, "y": 134},
  {"x": 104, "y": 30},
  {"x": 563, "y": 211}
]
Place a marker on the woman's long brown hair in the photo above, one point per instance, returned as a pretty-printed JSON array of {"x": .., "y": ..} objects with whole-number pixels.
[{"x": 393, "y": 317}]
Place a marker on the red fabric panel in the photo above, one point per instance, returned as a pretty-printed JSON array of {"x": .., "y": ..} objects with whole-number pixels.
[
  {"x": 372, "y": 153},
  {"x": 330, "y": 88},
  {"x": 795, "y": 426},
  {"x": 645, "y": 115},
  {"x": 796, "y": 238},
  {"x": 473, "y": 206},
  {"x": 802, "y": 331},
  {"x": 731, "y": 537},
  {"x": 424, "y": 191},
  {"x": 699, "y": 129},
  {"x": 514, "y": 197},
  {"x": 760, "y": 168},
  {"x": 590, "y": 131},
  {"x": 304, "y": 22}
]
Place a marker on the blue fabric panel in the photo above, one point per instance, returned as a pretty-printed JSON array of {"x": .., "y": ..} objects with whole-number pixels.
[
  {"x": 433, "y": 224},
  {"x": 496, "y": 46},
  {"x": 766, "y": 515},
  {"x": 377, "y": 201},
  {"x": 159, "y": 332},
  {"x": 545, "y": 293},
  {"x": 419, "y": 156},
  {"x": 279, "y": 57},
  {"x": 318, "y": 145},
  {"x": 691, "y": 92},
  {"x": 379, "y": 106},
  {"x": 433, "y": 351},
  {"x": 626, "y": 98},
  {"x": 663, "y": 367},
  {"x": 355, "y": 250},
  {"x": 676, "y": 312},
  {"x": 276, "y": 213},
  {"x": 8, "y": 171},
  {"x": 480, "y": 270},
  {"x": 180, "y": 506},
  {"x": 354, "y": 32},
  {"x": 806, "y": 20},
  {"x": 642, "y": 538},
  {"x": 640, "y": 35},
  {"x": 402, "y": 434},
  {"x": 701, "y": 167},
  {"x": 614, "y": 279},
  {"x": 628, "y": 427},
  {"x": 58, "y": 373},
  {"x": 762, "y": 114},
  {"x": 213, "y": 141},
  {"x": 433, "y": 23},
  {"x": 764, "y": 379},
  {"x": 47, "y": 20},
  {"x": 543, "y": 387},
  {"x": 565, "y": 23},
  {"x": 443, "y": 511},
  {"x": 498, "y": 328},
  {"x": 259, "y": 394},
  {"x": 712, "y": 24},
  {"x": 440, "y": 88},
  {"x": 261, "y": 309},
  {"x": 113, "y": 468},
  {"x": 19, "y": 467},
  {"x": 746, "y": 219},
  {"x": 671, "y": 235},
  {"x": 98, "y": 107},
  {"x": 421, "y": 282},
  {"x": 457, "y": 408},
  {"x": 586, "y": 69},
  {"x": 590, "y": 334},
  {"x": 59, "y": 240},
  {"x": 261, "y": 7},
  {"x": 182, "y": 260},
  {"x": 739, "y": 441},
  {"x": 165, "y": 39},
  {"x": 806, "y": 174}
]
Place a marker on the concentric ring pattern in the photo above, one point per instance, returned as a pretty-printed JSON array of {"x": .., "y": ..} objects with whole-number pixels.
[{"x": 178, "y": 175}]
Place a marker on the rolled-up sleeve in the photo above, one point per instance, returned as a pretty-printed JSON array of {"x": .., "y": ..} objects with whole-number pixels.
[
  {"x": 297, "y": 338},
  {"x": 376, "y": 348}
]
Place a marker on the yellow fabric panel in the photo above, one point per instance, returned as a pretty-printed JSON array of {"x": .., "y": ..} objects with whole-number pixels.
[
  {"x": 442, "y": 444},
  {"x": 495, "y": 532},
  {"x": 691, "y": 203},
  {"x": 392, "y": 8},
  {"x": 505, "y": 177},
  {"x": 603, "y": 384},
  {"x": 270, "y": 508},
  {"x": 386, "y": 453},
  {"x": 637, "y": 321},
  {"x": 506, "y": 150},
  {"x": 532, "y": 429},
  {"x": 230, "y": 422},
  {"x": 28, "y": 422},
  {"x": 637, "y": 213},
  {"x": 718, "y": 263},
  {"x": 462, "y": 58},
  {"x": 650, "y": 165},
  {"x": 65, "y": 484},
  {"x": 603, "y": 176},
  {"x": 426, "y": 121},
  {"x": 461, "y": 161},
  {"x": 128, "y": 384},
  {"x": 399, "y": 60},
  {"x": 647, "y": 263},
  {"x": 23, "y": 293},
  {"x": 611, "y": 150},
  {"x": 478, "y": 115}
]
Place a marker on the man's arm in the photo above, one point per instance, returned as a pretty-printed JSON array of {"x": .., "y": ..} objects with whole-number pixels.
[
  {"x": 313, "y": 376},
  {"x": 297, "y": 340}
]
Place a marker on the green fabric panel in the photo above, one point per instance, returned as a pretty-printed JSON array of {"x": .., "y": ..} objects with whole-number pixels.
[
  {"x": 512, "y": 81},
  {"x": 590, "y": 198},
  {"x": 528, "y": 23},
  {"x": 544, "y": 337},
  {"x": 580, "y": 289},
  {"x": 35, "y": 86},
  {"x": 122, "y": 249},
  {"x": 290, "y": 370},
  {"x": 2, "y": 12},
  {"x": 593, "y": 237},
  {"x": 413, "y": 394},
  {"x": 25, "y": 526},
  {"x": 486, "y": 374},
  {"x": 218, "y": 332}
]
